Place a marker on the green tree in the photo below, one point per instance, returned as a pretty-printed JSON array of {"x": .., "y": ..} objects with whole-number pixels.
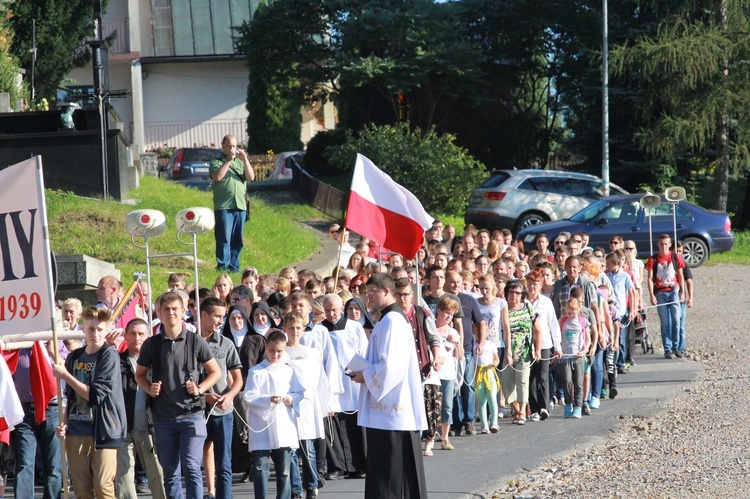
[
  {"x": 692, "y": 79},
  {"x": 61, "y": 27},
  {"x": 8, "y": 63},
  {"x": 430, "y": 165}
]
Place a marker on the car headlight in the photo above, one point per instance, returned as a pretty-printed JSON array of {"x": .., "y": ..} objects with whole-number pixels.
[{"x": 529, "y": 238}]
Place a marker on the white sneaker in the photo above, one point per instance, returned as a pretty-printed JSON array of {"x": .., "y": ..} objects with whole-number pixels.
[
  {"x": 594, "y": 403},
  {"x": 534, "y": 417}
]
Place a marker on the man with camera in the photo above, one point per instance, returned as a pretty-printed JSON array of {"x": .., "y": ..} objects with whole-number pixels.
[{"x": 230, "y": 174}]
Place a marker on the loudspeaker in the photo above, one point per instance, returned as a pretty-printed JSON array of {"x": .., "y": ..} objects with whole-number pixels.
[
  {"x": 145, "y": 223},
  {"x": 650, "y": 201},
  {"x": 675, "y": 194},
  {"x": 195, "y": 220}
]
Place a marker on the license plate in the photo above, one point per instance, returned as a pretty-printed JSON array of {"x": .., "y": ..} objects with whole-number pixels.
[
  {"x": 476, "y": 199},
  {"x": 201, "y": 170}
]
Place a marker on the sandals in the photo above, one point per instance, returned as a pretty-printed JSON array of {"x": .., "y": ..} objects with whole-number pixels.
[{"x": 519, "y": 420}]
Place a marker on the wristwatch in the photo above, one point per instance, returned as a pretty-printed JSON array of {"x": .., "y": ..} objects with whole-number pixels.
[{"x": 200, "y": 391}]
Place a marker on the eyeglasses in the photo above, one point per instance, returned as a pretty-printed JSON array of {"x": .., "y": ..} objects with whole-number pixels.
[
  {"x": 614, "y": 243},
  {"x": 515, "y": 292},
  {"x": 372, "y": 291},
  {"x": 559, "y": 243},
  {"x": 403, "y": 295},
  {"x": 236, "y": 300},
  {"x": 629, "y": 248}
]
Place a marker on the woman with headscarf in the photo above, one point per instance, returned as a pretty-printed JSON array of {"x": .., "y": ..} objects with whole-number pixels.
[
  {"x": 356, "y": 311},
  {"x": 262, "y": 318}
]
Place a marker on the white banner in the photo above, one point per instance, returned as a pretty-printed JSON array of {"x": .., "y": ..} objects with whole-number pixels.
[{"x": 25, "y": 274}]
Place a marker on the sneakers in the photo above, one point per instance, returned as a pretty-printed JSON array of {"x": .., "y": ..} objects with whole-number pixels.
[
  {"x": 446, "y": 444},
  {"x": 612, "y": 392},
  {"x": 678, "y": 354},
  {"x": 485, "y": 430},
  {"x": 595, "y": 404},
  {"x": 494, "y": 428},
  {"x": 568, "y": 411},
  {"x": 586, "y": 410},
  {"x": 605, "y": 394},
  {"x": 543, "y": 414},
  {"x": 311, "y": 493},
  {"x": 534, "y": 417},
  {"x": 667, "y": 355},
  {"x": 470, "y": 429},
  {"x": 501, "y": 413},
  {"x": 576, "y": 413}
]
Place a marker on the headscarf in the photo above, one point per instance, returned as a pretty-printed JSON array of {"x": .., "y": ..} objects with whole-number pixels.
[
  {"x": 365, "y": 320},
  {"x": 262, "y": 329}
]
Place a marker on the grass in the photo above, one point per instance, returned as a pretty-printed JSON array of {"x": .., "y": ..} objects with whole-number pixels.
[
  {"x": 740, "y": 254},
  {"x": 97, "y": 228}
]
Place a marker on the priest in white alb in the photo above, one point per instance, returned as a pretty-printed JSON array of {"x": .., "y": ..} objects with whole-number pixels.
[{"x": 391, "y": 407}]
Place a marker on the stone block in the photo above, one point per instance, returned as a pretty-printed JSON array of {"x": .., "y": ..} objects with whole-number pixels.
[{"x": 82, "y": 272}]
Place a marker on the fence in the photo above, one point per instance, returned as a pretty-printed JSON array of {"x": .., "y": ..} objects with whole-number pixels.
[
  {"x": 263, "y": 165},
  {"x": 324, "y": 197},
  {"x": 193, "y": 134}
]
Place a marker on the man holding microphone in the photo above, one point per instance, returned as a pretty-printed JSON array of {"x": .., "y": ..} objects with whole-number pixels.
[{"x": 230, "y": 174}]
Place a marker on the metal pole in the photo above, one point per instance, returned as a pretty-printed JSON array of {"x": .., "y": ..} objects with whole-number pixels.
[
  {"x": 33, "y": 58},
  {"x": 150, "y": 289},
  {"x": 197, "y": 284},
  {"x": 674, "y": 223},
  {"x": 605, "y": 102},
  {"x": 650, "y": 235}
]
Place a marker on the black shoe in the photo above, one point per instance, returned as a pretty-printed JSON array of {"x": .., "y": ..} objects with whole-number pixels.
[
  {"x": 678, "y": 354},
  {"x": 470, "y": 429},
  {"x": 612, "y": 392},
  {"x": 312, "y": 493},
  {"x": 209, "y": 496},
  {"x": 321, "y": 479},
  {"x": 335, "y": 475},
  {"x": 668, "y": 355},
  {"x": 142, "y": 488},
  {"x": 357, "y": 474},
  {"x": 245, "y": 477}
]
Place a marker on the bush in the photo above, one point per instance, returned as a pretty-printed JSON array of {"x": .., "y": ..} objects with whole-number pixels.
[
  {"x": 437, "y": 171},
  {"x": 316, "y": 162}
]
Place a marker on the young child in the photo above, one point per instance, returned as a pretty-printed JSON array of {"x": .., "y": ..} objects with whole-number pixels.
[
  {"x": 308, "y": 365},
  {"x": 487, "y": 385},
  {"x": 574, "y": 344},
  {"x": 272, "y": 399},
  {"x": 176, "y": 280},
  {"x": 609, "y": 386}
]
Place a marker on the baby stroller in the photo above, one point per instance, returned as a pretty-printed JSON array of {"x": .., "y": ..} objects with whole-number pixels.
[{"x": 641, "y": 333}]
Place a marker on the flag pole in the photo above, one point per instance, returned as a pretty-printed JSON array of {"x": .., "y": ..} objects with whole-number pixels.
[
  {"x": 51, "y": 299},
  {"x": 338, "y": 260}
]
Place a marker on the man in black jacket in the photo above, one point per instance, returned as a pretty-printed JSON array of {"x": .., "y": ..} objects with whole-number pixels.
[{"x": 139, "y": 438}]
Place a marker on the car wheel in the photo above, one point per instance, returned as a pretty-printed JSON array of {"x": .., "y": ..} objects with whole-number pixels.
[
  {"x": 529, "y": 220},
  {"x": 695, "y": 252}
]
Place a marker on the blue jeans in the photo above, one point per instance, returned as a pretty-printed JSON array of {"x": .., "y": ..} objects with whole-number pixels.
[
  {"x": 228, "y": 234},
  {"x": 669, "y": 316},
  {"x": 179, "y": 443},
  {"x": 309, "y": 477},
  {"x": 219, "y": 431},
  {"x": 597, "y": 372},
  {"x": 683, "y": 313},
  {"x": 464, "y": 409},
  {"x": 281, "y": 461},
  {"x": 24, "y": 439}
]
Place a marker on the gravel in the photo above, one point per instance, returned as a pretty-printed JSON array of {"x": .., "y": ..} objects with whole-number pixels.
[{"x": 700, "y": 445}]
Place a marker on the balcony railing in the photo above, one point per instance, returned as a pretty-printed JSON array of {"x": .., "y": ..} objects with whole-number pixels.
[
  {"x": 193, "y": 134},
  {"x": 121, "y": 44}
]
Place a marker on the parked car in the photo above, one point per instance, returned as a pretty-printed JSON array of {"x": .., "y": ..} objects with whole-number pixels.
[
  {"x": 516, "y": 199},
  {"x": 282, "y": 168},
  {"x": 189, "y": 166},
  {"x": 703, "y": 232}
]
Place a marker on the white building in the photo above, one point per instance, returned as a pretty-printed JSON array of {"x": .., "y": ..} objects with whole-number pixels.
[{"x": 188, "y": 87}]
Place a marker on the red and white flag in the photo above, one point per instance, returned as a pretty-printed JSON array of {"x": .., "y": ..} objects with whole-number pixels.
[
  {"x": 385, "y": 212},
  {"x": 11, "y": 411}
]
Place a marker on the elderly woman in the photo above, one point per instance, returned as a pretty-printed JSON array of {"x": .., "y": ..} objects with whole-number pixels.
[
  {"x": 523, "y": 344},
  {"x": 550, "y": 345}
]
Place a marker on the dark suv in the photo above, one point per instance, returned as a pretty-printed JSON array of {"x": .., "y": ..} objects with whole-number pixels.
[{"x": 189, "y": 166}]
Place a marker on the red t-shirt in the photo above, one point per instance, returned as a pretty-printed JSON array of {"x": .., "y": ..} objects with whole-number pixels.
[{"x": 665, "y": 273}]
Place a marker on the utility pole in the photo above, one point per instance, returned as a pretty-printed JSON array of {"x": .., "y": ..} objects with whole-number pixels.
[
  {"x": 100, "y": 93},
  {"x": 605, "y": 102},
  {"x": 33, "y": 57}
]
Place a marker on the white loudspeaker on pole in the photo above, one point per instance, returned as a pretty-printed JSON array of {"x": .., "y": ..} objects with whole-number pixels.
[
  {"x": 674, "y": 195},
  {"x": 649, "y": 202}
]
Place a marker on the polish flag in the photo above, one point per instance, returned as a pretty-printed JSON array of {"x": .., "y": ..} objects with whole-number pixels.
[
  {"x": 11, "y": 411},
  {"x": 385, "y": 212}
]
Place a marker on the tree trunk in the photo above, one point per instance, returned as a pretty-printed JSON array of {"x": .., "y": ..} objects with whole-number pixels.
[{"x": 721, "y": 179}]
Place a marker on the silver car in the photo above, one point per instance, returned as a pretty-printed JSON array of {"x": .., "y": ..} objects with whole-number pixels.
[{"x": 516, "y": 199}]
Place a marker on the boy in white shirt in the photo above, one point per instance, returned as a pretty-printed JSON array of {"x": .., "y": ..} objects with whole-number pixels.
[
  {"x": 272, "y": 398},
  {"x": 308, "y": 365}
]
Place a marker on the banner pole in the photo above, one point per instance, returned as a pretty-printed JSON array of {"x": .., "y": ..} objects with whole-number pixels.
[
  {"x": 51, "y": 299},
  {"x": 338, "y": 260}
]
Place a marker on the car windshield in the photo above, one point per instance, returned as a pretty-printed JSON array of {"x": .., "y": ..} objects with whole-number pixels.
[
  {"x": 200, "y": 154},
  {"x": 590, "y": 211}
]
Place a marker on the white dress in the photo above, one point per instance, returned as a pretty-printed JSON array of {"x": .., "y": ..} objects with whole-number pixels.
[
  {"x": 308, "y": 365},
  {"x": 348, "y": 342}
]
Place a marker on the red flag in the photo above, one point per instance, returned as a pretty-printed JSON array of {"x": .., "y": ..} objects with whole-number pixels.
[
  {"x": 11, "y": 358},
  {"x": 384, "y": 211},
  {"x": 11, "y": 410},
  {"x": 43, "y": 383}
]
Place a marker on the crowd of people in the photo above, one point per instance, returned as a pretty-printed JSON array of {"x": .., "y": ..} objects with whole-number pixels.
[{"x": 298, "y": 368}]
